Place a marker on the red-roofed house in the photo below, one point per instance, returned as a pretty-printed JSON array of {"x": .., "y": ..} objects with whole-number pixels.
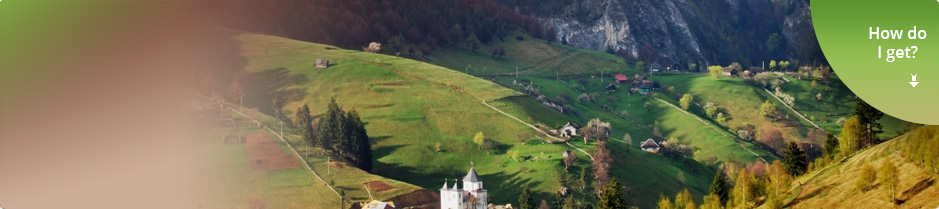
[{"x": 620, "y": 78}]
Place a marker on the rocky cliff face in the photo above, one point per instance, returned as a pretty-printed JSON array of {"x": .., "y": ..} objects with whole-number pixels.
[{"x": 683, "y": 31}]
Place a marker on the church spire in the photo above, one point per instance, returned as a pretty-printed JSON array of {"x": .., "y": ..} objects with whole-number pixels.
[{"x": 444, "y": 184}]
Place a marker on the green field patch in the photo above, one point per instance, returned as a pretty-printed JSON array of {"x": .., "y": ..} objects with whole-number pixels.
[{"x": 289, "y": 178}]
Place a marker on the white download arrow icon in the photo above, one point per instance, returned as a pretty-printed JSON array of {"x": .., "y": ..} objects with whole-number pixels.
[{"x": 914, "y": 80}]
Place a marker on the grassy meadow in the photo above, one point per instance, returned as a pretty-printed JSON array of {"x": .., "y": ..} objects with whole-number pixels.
[{"x": 410, "y": 107}]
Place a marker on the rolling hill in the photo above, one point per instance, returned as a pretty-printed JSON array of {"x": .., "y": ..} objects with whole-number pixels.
[
  {"x": 833, "y": 186},
  {"x": 410, "y": 107}
]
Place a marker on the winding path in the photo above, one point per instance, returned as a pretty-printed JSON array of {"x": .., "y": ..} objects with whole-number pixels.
[{"x": 537, "y": 129}]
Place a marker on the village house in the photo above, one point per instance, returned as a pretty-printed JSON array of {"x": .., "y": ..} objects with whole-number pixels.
[
  {"x": 456, "y": 198},
  {"x": 650, "y": 146},
  {"x": 621, "y": 79},
  {"x": 655, "y": 68},
  {"x": 568, "y": 130},
  {"x": 322, "y": 63}
]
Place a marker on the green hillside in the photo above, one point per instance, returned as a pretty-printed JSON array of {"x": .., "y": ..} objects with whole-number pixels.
[
  {"x": 409, "y": 107},
  {"x": 558, "y": 70},
  {"x": 532, "y": 57}
]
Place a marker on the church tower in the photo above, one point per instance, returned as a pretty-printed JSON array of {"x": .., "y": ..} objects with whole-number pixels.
[{"x": 455, "y": 198}]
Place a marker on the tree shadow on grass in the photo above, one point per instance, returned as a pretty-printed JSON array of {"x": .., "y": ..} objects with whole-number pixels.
[{"x": 261, "y": 88}]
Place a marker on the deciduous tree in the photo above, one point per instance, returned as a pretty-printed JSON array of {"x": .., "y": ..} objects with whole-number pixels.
[
  {"x": 686, "y": 101},
  {"x": 889, "y": 179}
]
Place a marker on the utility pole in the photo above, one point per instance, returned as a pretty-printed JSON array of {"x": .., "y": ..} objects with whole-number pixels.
[
  {"x": 516, "y": 72},
  {"x": 281, "y": 129},
  {"x": 327, "y": 165}
]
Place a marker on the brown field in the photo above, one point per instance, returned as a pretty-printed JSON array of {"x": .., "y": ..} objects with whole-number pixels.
[
  {"x": 378, "y": 186},
  {"x": 264, "y": 154}
]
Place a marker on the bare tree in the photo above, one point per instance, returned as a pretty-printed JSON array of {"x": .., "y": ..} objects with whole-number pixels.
[
  {"x": 628, "y": 140},
  {"x": 570, "y": 160},
  {"x": 601, "y": 165}
]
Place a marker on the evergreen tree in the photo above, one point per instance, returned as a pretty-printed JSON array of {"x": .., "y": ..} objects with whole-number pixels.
[
  {"x": 831, "y": 145},
  {"x": 870, "y": 121},
  {"x": 719, "y": 188},
  {"x": 361, "y": 146},
  {"x": 795, "y": 160},
  {"x": 330, "y": 126},
  {"x": 612, "y": 196},
  {"x": 525, "y": 201},
  {"x": 305, "y": 124}
]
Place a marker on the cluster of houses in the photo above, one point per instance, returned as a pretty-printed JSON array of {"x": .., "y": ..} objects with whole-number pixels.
[
  {"x": 638, "y": 83},
  {"x": 571, "y": 129}
]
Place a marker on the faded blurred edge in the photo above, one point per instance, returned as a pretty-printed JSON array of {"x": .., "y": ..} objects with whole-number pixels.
[{"x": 91, "y": 95}]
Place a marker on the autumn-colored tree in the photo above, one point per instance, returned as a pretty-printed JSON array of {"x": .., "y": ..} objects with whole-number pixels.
[
  {"x": 716, "y": 71},
  {"x": 889, "y": 177},
  {"x": 601, "y": 165},
  {"x": 683, "y": 199},
  {"x": 479, "y": 139},
  {"x": 777, "y": 185},
  {"x": 665, "y": 202},
  {"x": 768, "y": 109},
  {"x": 711, "y": 201},
  {"x": 866, "y": 178},
  {"x": 743, "y": 192},
  {"x": 686, "y": 101},
  {"x": 850, "y": 136}
]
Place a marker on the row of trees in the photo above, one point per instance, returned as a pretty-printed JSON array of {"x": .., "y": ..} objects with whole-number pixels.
[{"x": 338, "y": 133}]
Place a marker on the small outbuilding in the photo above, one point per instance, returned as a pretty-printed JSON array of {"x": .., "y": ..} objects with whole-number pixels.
[
  {"x": 322, "y": 63},
  {"x": 610, "y": 87},
  {"x": 650, "y": 146}
]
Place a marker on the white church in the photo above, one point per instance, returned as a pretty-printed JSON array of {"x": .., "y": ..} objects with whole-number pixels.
[{"x": 456, "y": 198}]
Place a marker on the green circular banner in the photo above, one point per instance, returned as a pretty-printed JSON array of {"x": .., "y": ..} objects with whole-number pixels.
[{"x": 887, "y": 52}]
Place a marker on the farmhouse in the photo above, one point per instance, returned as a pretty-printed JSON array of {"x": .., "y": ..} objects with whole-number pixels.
[
  {"x": 568, "y": 130},
  {"x": 322, "y": 63},
  {"x": 472, "y": 195},
  {"x": 655, "y": 68},
  {"x": 621, "y": 79},
  {"x": 650, "y": 146}
]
